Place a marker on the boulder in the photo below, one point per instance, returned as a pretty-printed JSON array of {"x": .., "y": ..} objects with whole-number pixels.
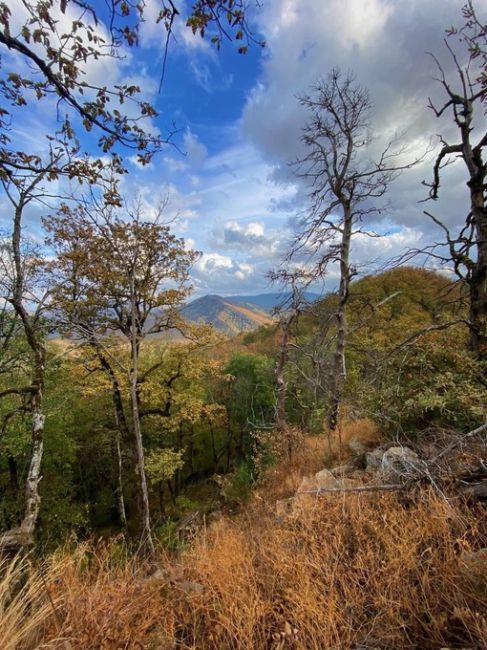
[
  {"x": 307, "y": 483},
  {"x": 342, "y": 470},
  {"x": 399, "y": 463},
  {"x": 373, "y": 460},
  {"x": 356, "y": 446},
  {"x": 325, "y": 479},
  {"x": 473, "y": 567}
]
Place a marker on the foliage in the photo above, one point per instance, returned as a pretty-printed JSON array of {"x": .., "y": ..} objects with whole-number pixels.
[
  {"x": 431, "y": 384},
  {"x": 251, "y": 401},
  {"x": 161, "y": 465}
]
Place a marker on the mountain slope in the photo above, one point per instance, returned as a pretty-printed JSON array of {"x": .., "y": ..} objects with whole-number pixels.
[
  {"x": 268, "y": 301},
  {"x": 225, "y": 314}
]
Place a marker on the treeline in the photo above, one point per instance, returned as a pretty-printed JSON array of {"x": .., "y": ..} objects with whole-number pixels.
[{"x": 207, "y": 406}]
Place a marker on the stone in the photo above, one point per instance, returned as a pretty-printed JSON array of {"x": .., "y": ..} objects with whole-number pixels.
[
  {"x": 356, "y": 446},
  {"x": 400, "y": 463},
  {"x": 284, "y": 508},
  {"x": 473, "y": 567},
  {"x": 308, "y": 483},
  {"x": 190, "y": 588},
  {"x": 373, "y": 460},
  {"x": 342, "y": 470},
  {"x": 325, "y": 479}
]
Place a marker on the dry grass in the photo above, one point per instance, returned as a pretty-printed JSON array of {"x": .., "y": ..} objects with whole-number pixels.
[
  {"x": 25, "y": 603},
  {"x": 356, "y": 571},
  {"x": 382, "y": 571},
  {"x": 361, "y": 571}
]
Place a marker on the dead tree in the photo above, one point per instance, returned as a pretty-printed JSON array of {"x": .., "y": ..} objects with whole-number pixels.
[
  {"x": 346, "y": 185},
  {"x": 464, "y": 97}
]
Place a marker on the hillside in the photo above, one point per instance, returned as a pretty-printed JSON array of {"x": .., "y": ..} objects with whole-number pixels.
[
  {"x": 226, "y": 315},
  {"x": 269, "y": 301}
]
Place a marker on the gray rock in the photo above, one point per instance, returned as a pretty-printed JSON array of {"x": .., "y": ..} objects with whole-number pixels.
[
  {"x": 356, "y": 446},
  {"x": 473, "y": 567},
  {"x": 284, "y": 507},
  {"x": 307, "y": 483},
  {"x": 190, "y": 588},
  {"x": 373, "y": 460},
  {"x": 342, "y": 470},
  {"x": 400, "y": 463},
  {"x": 325, "y": 479}
]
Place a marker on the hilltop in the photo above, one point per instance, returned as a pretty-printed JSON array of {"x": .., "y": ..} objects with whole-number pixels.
[{"x": 235, "y": 314}]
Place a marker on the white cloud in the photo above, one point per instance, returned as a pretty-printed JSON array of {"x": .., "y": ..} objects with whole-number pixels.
[
  {"x": 214, "y": 272},
  {"x": 250, "y": 239},
  {"x": 195, "y": 150}
]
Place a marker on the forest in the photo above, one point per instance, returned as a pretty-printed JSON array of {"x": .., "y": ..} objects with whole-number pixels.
[{"x": 317, "y": 482}]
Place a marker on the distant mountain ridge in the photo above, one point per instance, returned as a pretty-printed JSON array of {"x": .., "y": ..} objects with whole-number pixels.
[
  {"x": 235, "y": 314},
  {"x": 269, "y": 301}
]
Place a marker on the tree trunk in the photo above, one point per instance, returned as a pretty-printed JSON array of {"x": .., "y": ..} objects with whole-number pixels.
[
  {"x": 281, "y": 420},
  {"x": 146, "y": 542},
  {"x": 119, "y": 489},
  {"x": 478, "y": 279},
  {"x": 122, "y": 429},
  {"x": 13, "y": 473},
  {"x": 339, "y": 369},
  {"x": 36, "y": 344}
]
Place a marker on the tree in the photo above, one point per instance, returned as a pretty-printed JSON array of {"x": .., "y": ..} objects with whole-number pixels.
[
  {"x": 130, "y": 276},
  {"x": 56, "y": 42},
  {"x": 288, "y": 312},
  {"x": 467, "y": 248},
  {"x": 22, "y": 290},
  {"x": 345, "y": 187},
  {"x": 51, "y": 45}
]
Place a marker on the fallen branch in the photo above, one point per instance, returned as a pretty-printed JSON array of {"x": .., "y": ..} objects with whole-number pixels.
[
  {"x": 460, "y": 440},
  {"x": 360, "y": 488}
]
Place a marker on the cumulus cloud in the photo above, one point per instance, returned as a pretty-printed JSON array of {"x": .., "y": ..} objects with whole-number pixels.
[
  {"x": 250, "y": 239},
  {"x": 220, "y": 273},
  {"x": 385, "y": 43}
]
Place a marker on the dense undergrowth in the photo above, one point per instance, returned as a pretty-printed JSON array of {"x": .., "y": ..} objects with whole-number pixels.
[{"x": 348, "y": 571}]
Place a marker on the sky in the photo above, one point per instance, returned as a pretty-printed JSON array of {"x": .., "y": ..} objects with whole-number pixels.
[{"x": 229, "y": 183}]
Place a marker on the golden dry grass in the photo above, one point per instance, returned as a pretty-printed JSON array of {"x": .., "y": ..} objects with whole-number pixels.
[
  {"x": 369, "y": 571},
  {"x": 386, "y": 571},
  {"x": 26, "y": 602}
]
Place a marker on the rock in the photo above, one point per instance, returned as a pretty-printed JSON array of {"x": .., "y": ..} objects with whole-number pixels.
[
  {"x": 356, "y": 446},
  {"x": 325, "y": 479},
  {"x": 400, "y": 463},
  {"x": 342, "y": 470},
  {"x": 307, "y": 484},
  {"x": 284, "y": 507},
  {"x": 373, "y": 460},
  {"x": 157, "y": 576}
]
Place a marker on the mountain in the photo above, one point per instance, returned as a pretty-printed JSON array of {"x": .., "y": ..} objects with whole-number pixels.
[
  {"x": 226, "y": 314},
  {"x": 268, "y": 301}
]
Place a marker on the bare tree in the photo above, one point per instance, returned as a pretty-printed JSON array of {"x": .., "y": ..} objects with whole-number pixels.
[
  {"x": 345, "y": 186},
  {"x": 464, "y": 95}
]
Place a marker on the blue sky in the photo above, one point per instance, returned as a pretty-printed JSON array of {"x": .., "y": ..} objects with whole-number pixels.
[{"x": 233, "y": 193}]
